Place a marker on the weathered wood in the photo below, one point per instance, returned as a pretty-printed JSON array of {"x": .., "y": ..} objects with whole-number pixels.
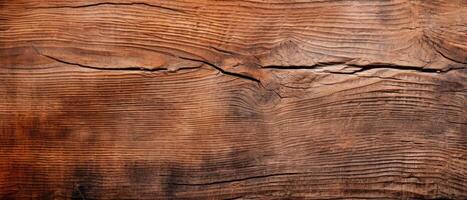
[{"x": 233, "y": 99}]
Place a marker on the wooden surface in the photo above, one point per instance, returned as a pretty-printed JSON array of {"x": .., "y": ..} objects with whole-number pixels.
[{"x": 233, "y": 99}]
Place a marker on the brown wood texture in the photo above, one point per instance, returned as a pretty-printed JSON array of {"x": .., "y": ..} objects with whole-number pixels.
[{"x": 299, "y": 99}]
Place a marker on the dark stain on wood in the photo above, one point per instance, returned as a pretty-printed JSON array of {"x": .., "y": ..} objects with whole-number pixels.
[
  {"x": 171, "y": 181},
  {"x": 86, "y": 182}
]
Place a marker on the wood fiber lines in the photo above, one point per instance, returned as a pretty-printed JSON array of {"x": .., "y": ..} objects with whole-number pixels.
[{"x": 320, "y": 99}]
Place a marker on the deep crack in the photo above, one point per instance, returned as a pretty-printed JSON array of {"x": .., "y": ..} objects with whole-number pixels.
[
  {"x": 321, "y": 66},
  {"x": 131, "y": 68},
  {"x": 251, "y": 78},
  {"x": 362, "y": 67}
]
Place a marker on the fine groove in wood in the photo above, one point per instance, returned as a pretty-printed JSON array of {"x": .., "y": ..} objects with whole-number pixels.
[{"x": 113, "y": 4}]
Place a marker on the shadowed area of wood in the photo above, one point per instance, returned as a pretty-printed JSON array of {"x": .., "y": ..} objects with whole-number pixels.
[{"x": 233, "y": 99}]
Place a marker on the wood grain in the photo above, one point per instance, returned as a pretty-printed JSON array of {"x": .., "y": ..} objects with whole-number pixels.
[{"x": 233, "y": 99}]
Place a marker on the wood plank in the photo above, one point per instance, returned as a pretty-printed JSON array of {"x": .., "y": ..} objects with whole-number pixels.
[{"x": 233, "y": 99}]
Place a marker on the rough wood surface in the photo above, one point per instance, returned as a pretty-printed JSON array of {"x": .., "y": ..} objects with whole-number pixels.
[{"x": 233, "y": 99}]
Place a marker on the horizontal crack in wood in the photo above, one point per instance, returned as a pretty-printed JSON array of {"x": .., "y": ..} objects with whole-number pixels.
[
  {"x": 238, "y": 180},
  {"x": 317, "y": 68},
  {"x": 362, "y": 68},
  {"x": 132, "y": 68}
]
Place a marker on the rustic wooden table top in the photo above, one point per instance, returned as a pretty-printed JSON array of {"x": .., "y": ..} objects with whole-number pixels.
[{"x": 277, "y": 99}]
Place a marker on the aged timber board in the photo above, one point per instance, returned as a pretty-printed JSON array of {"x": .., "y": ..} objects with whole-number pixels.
[{"x": 302, "y": 99}]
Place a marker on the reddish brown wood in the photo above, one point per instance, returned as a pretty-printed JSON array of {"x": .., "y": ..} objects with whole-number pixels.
[{"x": 233, "y": 99}]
